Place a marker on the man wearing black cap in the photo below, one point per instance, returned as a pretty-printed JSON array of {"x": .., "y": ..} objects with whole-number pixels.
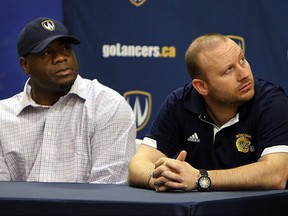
[{"x": 62, "y": 127}]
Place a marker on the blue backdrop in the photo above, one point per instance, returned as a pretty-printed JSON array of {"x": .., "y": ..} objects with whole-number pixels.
[
  {"x": 14, "y": 14},
  {"x": 137, "y": 47}
]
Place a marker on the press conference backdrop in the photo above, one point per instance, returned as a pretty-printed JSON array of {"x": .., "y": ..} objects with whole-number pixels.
[{"x": 137, "y": 47}]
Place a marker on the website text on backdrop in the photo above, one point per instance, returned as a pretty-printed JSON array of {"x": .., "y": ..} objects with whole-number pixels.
[
  {"x": 224, "y": 130},
  {"x": 62, "y": 127}
]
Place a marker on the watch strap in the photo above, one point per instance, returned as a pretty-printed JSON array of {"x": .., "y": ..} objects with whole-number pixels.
[
  {"x": 203, "y": 172},
  {"x": 203, "y": 175}
]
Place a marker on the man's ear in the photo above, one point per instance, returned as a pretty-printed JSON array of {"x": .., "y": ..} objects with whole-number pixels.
[
  {"x": 24, "y": 64},
  {"x": 200, "y": 86}
]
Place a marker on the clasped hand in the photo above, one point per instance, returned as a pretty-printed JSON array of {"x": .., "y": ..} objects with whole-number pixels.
[{"x": 174, "y": 174}]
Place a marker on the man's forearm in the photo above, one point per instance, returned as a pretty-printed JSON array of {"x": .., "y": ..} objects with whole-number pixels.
[
  {"x": 140, "y": 173},
  {"x": 265, "y": 174}
]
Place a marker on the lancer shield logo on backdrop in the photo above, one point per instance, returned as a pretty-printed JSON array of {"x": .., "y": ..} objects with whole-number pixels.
[
  {"x": 141, "y": 103},
  {"x": 239, "y": 40},
  {"x": 137, "y": 3}
]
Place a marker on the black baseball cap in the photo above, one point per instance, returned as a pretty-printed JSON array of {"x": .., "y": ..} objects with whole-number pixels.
[{"x": 37, "y": 34}]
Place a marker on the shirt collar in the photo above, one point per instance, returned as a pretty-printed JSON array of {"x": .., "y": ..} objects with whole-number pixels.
[
  {"x": 79, "y": 88},
  {"x": 193, "y": 101}
]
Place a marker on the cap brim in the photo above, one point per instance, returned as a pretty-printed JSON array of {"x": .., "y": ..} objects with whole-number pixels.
[{"x": 39, "y": 47}]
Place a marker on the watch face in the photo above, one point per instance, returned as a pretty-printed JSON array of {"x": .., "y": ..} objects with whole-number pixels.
[{"x": 204, "y": 182}]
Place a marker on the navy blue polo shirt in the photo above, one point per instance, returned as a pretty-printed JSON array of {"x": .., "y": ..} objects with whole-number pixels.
[{"x": 183, "y": 124}]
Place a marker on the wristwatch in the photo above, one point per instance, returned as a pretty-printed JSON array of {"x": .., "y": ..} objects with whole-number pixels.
[{"x": 203, "y": 182}]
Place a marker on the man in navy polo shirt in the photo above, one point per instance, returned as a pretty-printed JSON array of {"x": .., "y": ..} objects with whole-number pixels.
[{"x": 223, "y": 131}]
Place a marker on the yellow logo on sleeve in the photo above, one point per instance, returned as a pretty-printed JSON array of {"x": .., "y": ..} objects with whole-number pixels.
[{"x": 243, "y": 143}]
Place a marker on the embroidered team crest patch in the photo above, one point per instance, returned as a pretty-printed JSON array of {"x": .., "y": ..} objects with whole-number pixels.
[
  {"x": 243, "y": 143},
  {"x": 48, "y": 25}
]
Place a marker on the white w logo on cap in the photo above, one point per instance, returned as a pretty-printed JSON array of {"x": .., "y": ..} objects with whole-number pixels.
[{"x": 48, "y": 24}]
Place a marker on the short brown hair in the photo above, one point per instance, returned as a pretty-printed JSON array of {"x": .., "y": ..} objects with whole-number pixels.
[{"x": 199, "y": 44}]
